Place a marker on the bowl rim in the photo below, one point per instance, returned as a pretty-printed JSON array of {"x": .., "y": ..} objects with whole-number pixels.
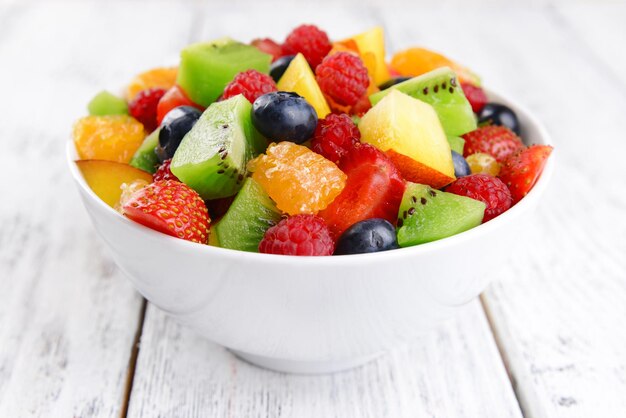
[{"x": 352, "y": 259}]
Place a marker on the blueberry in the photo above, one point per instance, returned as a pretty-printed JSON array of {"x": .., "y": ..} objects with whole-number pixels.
[
  {"x": 368, "y": 236},
  {"x": 176, "y": 123},
  {"x": 278, "y": 67},
  {"x": 393, "y": 82},
  {"x": 499, "y": 114},
  {"x": 461, "y": 167},
  {"x": 283, "y": 116}
]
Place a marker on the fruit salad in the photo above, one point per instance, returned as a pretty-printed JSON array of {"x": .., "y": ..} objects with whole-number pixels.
[{"x": 311, "y": 147}]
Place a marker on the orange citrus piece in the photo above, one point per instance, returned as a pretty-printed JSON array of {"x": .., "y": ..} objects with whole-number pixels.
[
  {"x": 416, "y": 61},
  {"x": 162, "y": 77},
  {"x": 111, "y": 138},
  {"x": 296, "y": 178}
]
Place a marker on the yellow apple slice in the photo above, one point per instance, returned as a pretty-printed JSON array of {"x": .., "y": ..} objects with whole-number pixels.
[
  {"x": 409, "y": 131},
  {"x": 105, "y": 178},
  {"x": 299, "y": 78}
]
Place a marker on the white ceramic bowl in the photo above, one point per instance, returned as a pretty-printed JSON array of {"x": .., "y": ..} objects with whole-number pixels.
[{"x": 312, "y": 314}]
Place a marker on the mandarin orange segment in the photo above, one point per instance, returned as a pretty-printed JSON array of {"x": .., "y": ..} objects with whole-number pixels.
[
  {"x": 162, "y": 77},
  {"x": 417, "y": 61},
  {"x": 110, "y": 138},
  {"x": 296, "y": 178}
]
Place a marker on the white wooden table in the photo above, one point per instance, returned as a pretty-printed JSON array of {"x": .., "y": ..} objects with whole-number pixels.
[{"x": 546, "y": 340}]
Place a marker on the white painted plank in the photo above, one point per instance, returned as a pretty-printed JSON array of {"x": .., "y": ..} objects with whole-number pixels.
[
  {"x": 453, "y": 372},
  {"x": 559, "y": 313},
  {"x": 67, "y": 316}
]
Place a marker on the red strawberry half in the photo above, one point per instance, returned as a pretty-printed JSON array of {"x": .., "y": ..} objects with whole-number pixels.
[
  {"x": 173, "y": 98},
  {"x": 497, "y": 141},
  {"x": 521, "y": 171},
  {"x": 170, "y": 207},
  {"x": 373, "y": 189}
]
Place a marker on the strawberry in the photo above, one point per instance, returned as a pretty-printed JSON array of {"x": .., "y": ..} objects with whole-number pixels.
[
  {"x": 373, "y": 189},
  {"x": 269, "y": 46},
  {"x": 173, "y": 98},
  {"x": 170, "y": 207},
  {"x": 497, "y": 141},
  {"x": 521, "y": 170}
]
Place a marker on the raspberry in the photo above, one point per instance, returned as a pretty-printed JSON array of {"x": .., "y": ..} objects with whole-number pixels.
[
  {"x": 497, "y": 141},
  {"x": 310, "y": 41},
  {"x": 144, "y": 107},
  {"x": 343, "y": 78},
  {"x": 269, "y": 46},
  {"x": 298, "y": 235},
  {"x": 164, "y": 172},
  {"x": 334, "y": 136},
  {"x": 475, "y": 95},
  {"x": 251, "y": 84},
  {"x": 487, "y": 189}
]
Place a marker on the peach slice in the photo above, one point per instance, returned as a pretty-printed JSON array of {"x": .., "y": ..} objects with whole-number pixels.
[{"x": 106, "y": 178}]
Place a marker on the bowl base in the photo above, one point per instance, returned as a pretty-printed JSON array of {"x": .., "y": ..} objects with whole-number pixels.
[{"x": 304, "y": 367}]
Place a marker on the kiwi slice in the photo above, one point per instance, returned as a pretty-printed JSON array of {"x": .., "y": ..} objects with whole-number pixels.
[
  {"x": 427, "y": 215},
  {"x": 145, "y": 157},
  {"x": 207, "y": 67},
  {"x": 440, "y": 89},
  {"x": 250, "y": 215},
  {"x": 105, "y": 103},
  {"x": 212, "y": 157}
]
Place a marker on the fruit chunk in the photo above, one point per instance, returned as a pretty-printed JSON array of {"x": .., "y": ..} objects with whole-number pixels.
[
  {"x": 145, "y": 157},
  {"x": 335, "y": 136},
  {"x": 373, "y": 190},
  {"x": 368, "y": 236},
  {"x": 284, "y": 116},
  {"x": 251, "y": 84},
  {"x": 299, "y": 78},
  {"x": 481, "y": 163},
  {"x": 296, "y": 178},
  {"x": 497, "y": 141},
  {"x": 439, "y": 88},
  {"x": 249, "y": 216},
  {"x": 144, "y": 107},
  {"x": 475, "y": 95},
  {"x": 343, "y": 78},
  {"x": 417, "y": 61},
  {"x": 298, "y": 235},
  {"x": 162, "y": 78},
  {"x": 371, "y": 46},
  {"x": 173, "y": 98},
  {"x": 105, "y": 103},
  {"x": 111, "y": 138},
  {"x": 176, "y": 124},
  {"x": 521, "y": 171},
  {"x": 500, "y": 115},
  {"x": 411, "y": 134},
  {"x": 310, "y": 41},
  {"x": 427, "y": 215},
  {"x": 172, "y": 208},
  {"x": 212, "y": 157},
  {"x": 106, "y": 178},
  {"x": 488, "y": 189},
  {"x": 206, "y": 68}
]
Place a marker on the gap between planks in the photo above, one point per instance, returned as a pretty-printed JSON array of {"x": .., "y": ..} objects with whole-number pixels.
[{"x": 132, "y": 363}]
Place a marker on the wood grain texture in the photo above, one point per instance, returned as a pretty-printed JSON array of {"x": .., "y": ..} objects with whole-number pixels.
[
  {"x": 67, "y": 316},
  {"x": 454, "y": 372}
]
